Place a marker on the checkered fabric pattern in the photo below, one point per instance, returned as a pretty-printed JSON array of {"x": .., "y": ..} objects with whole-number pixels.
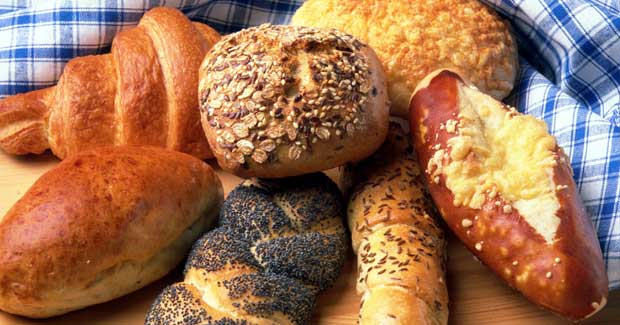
[{"x": 569, "y": 55}]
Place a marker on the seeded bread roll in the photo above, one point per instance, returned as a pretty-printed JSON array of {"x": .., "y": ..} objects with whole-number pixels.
[
  {"x": 280, "y": 101},
  {"x": 101, "y": 224},
  {"x": 413, "y": 38},
  {"x": 397, "y": 238},
  {"x": 279, "y": 242}
]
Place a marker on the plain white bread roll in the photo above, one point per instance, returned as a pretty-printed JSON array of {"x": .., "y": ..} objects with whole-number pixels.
[{"x": 279, "y": 101}]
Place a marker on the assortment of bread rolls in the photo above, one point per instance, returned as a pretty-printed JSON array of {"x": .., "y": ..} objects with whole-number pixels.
[
  {"x": 505, "y": 188},
  {"x": 400, "y": 247},
  {"x": 143, "y": 93},
  {"x": 279, "y": 242},
  {"x": 101, "y": 224},
  {"x": 414, "y": 38},
  {"x": 281, "y": 101}
]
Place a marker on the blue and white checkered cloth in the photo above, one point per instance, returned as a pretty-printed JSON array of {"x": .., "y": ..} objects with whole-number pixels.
[{"x": 570, "y": 70}]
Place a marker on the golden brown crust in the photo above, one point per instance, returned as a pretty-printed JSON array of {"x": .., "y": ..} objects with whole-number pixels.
[
  {"x": 567, "y": 274},
  {"x": 142, "y": 111},
  {"x": 180, "y": 48},
  {"x": 22, "y": 122},
  {"x": 413, "y": 38},
  {"x": 144, "y": 92},
  {"x": 209, "y": 34},
  {"x": 85, "y": 94},
  {"x": 291, "y": 101},
  {"x": 101, "y": 224},
  {"x": 396, "y": 235}
]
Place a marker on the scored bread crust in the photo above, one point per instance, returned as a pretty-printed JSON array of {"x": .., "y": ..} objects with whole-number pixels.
[
  {"x": 397, "y": 237},
  {"x": 279, "y": 242},
  {"x": 552, "y": 257},
  {"x": 413, "y": 38},
  {"x": 101, "y": 224},
  {"x": 280, "y": 101}
]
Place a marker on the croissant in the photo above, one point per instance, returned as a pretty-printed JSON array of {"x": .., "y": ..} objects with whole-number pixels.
[{"x": 144, "y": 92}]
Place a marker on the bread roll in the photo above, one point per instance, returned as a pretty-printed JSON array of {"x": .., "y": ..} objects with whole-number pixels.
[
  {"x": 278, "y": 244},
  {"x": 101, "y": 224},
  {"x": 400, "y": 247},
  {"x": 505, "y": 187},
  {"x": 280, "y": 101},
  {"x": 413, "y": 38}
]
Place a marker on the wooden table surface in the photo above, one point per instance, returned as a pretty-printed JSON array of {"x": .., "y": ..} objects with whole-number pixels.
[{"x": 476, "y": 295}]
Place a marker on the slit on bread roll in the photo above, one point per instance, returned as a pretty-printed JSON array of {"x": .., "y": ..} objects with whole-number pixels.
[
  {"x": 281, "y": 101},
  {"x": 414, "y": 38},
  {"x": 102, "y": 224},
  {"x": 397, "y": 238},
  {"x": 505, "y": 187},
  {"x": 279, "y": 242}
]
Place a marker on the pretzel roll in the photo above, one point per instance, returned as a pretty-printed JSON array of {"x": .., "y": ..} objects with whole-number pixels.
[
  {"x": 505, "y": 187},
  {"x": 413, "y": 38},
  {"x": 280, "y": 101},
  {"x": 279, "y": 242},
  {"x": 397, "y": 238}
]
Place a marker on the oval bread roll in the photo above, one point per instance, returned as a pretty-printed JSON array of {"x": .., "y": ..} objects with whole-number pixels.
[
  {"x": 282, "y": 101},
  {"x": 413, "y": 38},
  {"x": 505, "y": 187},
  {"x": 101, "y": 224}
]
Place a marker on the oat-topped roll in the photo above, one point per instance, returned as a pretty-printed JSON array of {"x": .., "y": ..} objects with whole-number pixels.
[{"x": 280, "y": 101}]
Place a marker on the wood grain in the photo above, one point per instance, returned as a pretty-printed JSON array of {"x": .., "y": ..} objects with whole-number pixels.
[{"x": 476, "y": 295}]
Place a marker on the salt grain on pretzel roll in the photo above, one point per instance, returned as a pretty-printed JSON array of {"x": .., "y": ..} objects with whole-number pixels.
[
  {"x": 399, "y": 244},
  {"x": 505, "y": 187}
]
